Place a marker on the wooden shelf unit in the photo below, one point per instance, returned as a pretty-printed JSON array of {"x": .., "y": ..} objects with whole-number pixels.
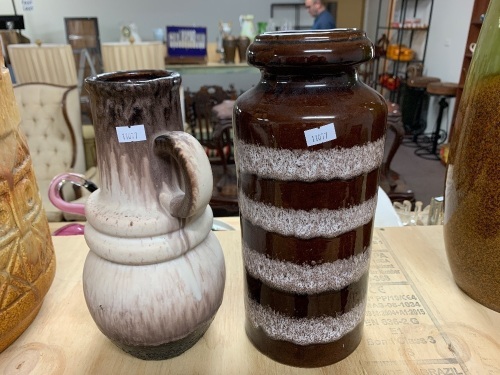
[{"x": 389, "y": 12}]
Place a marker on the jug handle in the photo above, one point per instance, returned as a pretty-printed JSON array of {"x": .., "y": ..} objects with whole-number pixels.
[
  {"x": 196, "y": 171},
  {"x": 55, "y": 191}
]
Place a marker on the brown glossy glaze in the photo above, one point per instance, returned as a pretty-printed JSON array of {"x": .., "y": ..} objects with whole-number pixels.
[
  {"x": 307, "y": 211},
  {"x": 310, "y": 49},
  {"x": 300, "y": 251},
  {"x": 307, "y": 305},
  {"x": 314, "y": 355},
  {"x": 288, "y": 100},
  {"x": 327, "y": 194}
]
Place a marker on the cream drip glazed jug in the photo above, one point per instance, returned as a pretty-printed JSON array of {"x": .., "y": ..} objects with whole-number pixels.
[{"x": 154, "y": 277}]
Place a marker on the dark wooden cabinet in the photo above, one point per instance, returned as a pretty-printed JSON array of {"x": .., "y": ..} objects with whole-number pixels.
[
  {"x": 83, "y": 36},
  {"x": 478, "y": 10}
]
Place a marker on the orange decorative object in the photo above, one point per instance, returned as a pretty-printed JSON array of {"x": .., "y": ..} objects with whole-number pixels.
[
  {"x": 27, "y": 260},
  {"x": 399, "y": 52},
  {"x": 389, "y": 81}
]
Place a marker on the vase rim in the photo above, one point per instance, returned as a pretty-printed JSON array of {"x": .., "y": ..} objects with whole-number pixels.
[
  {"x": 310, "y": 48},
  {"x": 133, "y": 78}
]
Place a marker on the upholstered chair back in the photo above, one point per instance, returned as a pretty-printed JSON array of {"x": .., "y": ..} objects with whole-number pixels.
[
  {"x": 127, "y": 56},
  {"x": 49, "y": 63},
  {"x": 51, "y": 122}
]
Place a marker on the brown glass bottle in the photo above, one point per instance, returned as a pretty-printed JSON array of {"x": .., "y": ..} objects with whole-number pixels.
[{"x": 309, "y": 142}]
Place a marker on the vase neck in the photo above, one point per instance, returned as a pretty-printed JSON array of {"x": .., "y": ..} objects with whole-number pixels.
[
  {"x": 345, "y": 77},
  {"x": 128, "y": 116}
]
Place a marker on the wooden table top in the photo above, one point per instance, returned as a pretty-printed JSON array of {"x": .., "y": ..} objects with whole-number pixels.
[{"x": 417, "y": 321}]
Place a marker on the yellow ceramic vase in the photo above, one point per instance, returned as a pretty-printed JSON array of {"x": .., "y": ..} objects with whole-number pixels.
[{"x": 27, "y": 261}]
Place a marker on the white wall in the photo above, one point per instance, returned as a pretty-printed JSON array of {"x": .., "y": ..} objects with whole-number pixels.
[
  {"x": 446, "y": 48},
  {"x": 447, "y": 35},
  {"x": 447, "y": 38},
  {"x": 46, "y": 20}
]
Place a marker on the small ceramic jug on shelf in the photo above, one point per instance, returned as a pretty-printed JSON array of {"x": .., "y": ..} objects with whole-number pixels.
[
  {"x": 154, "y": 277},
  {"x": 247, "y": 26}
]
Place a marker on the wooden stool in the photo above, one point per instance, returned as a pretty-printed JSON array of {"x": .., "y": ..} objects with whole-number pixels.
[
  {"x": 444, "y": 90},
  {"x": 414, "y": 103},
  {"x": 422, "y": 81}
]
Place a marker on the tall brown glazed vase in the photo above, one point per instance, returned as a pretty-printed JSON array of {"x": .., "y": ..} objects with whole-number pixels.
[
  {"x": 309, "y": 142},
  {"x": 27, "y": 261},
  {"x": 472, "y": 198}
]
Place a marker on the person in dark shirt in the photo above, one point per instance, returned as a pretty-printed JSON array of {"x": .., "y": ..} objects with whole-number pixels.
[{"x": 323, "y": 19}]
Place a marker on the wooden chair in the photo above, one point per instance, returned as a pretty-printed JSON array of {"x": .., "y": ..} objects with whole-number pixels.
[
  {"x": 390, "y": 181},
  {"x": 51, "y": 122},
  {"x": 52, "y": 64},
  {"x": 208, "y": 114},
  {"x": 209, "y": 121}
]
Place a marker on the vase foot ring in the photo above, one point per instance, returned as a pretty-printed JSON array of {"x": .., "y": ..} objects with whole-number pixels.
[{"x": 168, "y": 350}]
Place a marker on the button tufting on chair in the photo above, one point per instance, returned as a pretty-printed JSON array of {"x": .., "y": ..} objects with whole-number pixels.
[{"x": 51, "y": 122}]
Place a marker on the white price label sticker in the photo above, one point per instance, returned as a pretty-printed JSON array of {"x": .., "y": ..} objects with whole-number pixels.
[
  {"x": 27, "y": 5},
  {"x": 320, "y": 135},
  {"x": 134, "y": 133}
]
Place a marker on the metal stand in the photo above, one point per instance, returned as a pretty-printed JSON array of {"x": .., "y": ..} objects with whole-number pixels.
[
  {"x": 428, "y": 145},
  {"x": 84, "y": 57}
]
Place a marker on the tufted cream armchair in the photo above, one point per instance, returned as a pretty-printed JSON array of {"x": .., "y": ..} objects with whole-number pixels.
[{"x": 51, "y": 121}]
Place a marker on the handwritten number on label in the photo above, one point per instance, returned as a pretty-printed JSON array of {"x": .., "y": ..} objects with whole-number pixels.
[
  {"x": 134, "y": 133},
  {"x": 320, "y": 135},
  {"x": 128, "y": 137}
]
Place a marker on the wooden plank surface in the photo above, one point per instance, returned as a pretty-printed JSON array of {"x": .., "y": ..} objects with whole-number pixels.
[{"x": 417, "y": 321}]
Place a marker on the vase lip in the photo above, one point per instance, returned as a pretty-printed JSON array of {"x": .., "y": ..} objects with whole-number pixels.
[
  {"x": 134, "y": 78},
  {"x": 310, "y": 48}
]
